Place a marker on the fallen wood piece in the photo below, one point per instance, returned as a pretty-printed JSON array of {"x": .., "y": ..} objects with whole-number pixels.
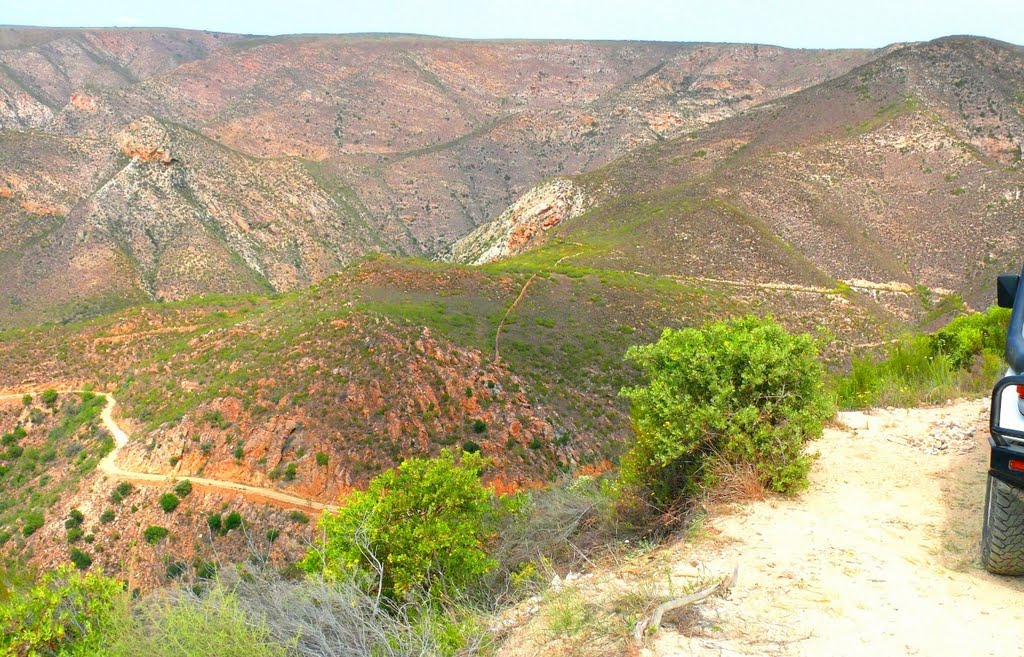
[{"x": 678, "y": 603}]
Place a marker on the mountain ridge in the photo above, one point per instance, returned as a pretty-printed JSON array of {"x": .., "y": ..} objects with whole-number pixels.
[{"x": 417, "y": 189}]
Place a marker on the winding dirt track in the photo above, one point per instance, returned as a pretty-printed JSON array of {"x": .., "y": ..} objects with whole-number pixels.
[{"x": 108, "y": 465}]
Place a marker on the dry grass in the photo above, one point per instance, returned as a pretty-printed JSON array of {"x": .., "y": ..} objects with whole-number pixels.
[{"x": 737, "y": 482}]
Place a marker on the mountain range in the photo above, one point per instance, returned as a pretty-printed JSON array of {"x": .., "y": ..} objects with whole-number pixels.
[{"x": 297, "y": 261}]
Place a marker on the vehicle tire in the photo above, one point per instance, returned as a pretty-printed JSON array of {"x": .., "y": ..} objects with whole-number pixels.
[{"x": 1002, "y": 536}]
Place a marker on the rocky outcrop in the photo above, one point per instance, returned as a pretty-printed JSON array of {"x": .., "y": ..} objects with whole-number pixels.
[
  {"x": 522, "y": 226},
  {"x": 146, "y": 139},
  {"x": 82, "y": 101}
]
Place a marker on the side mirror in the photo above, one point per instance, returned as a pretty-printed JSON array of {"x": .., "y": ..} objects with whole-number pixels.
[
  {"x": 1006, "y": 420},
  {"x": 1006, "y": 289}
]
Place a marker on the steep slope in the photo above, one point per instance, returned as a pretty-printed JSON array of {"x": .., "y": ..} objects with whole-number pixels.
[
  {"x": 419, "y": 138},
  {"x": 905, "y": 170},
  {"x": 44, "y": 71},
  {"x": 169, "y": 214}
]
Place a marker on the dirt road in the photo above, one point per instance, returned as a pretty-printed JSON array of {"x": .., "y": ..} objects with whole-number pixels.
[
  {"x": 108, "y": 465},
  {"x": 878, "y": 557}
]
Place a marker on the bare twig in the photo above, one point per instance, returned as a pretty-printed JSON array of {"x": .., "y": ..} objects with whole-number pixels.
[{"x": 678, "y": 603}]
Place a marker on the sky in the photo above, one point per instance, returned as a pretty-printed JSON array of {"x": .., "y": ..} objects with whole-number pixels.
[{"x": 792, "y": 23}]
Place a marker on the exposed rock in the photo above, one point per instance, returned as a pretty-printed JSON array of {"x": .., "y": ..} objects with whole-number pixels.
[
  {"x": 82, "y": 101},
  {"x": 146, "y": 139},
  {"x": 523, "y": 225}
]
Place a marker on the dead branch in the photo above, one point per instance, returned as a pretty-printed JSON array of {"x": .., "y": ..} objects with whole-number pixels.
[{"x": 678, "y": 603}]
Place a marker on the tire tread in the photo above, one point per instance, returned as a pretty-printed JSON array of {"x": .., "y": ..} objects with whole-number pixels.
[{"x": 1002, "y": 549}]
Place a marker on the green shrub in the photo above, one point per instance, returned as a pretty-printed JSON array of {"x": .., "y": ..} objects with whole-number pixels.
[
  {"x": 968, "y": 336},
  {"x": 214, "y": 521},
  {"x": 121, "y": 492},
  {"x": 33, "y": 521},
  {"x": 107, "y": 516},
  {"x": 49, "y": 397},
  {"x": 26, "y": 400},
  {"x": 75, "y": 534},
  {"x": 232, "y": 521},
  {"x": 535, "y": 443},
  {"x": 273, "y": 534},
  {"x": 298, "y": 517},
  {"x": 66, "y": 613},
  {"x": 290, "y": 472},
  {"x": 321, "y": 458},
  {"x": 964, "y": 357},
  {"x": 154, "y": 534},
  {"x": 184, "y": 488},
  {"x": 424, "y": 523},
  {"x": 744, "y": 391},
  {"x": 81, "y": 559},
  {"x": 75, "y": 519},
  {"x": 470, "y": 447},
  {"x": 169, "y": 502},
  {"x": 12, "y": 453},
  {"x": 479, "y": 426},
  {"x": 176, "y": 569}
]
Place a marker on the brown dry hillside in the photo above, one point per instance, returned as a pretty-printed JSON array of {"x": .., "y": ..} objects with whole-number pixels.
[
  {"x": 155, "y": 164},
  {"x": 906, "y": 170}
]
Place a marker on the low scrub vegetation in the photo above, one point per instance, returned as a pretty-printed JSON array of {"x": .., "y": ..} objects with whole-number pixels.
[
  {"x": 64, "y": 437},
  {"x": 964, "y": 357},
  {"x": 419, "y": 562}
]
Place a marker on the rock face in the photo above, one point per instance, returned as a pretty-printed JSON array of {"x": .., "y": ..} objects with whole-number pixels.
[
  {"x": 523, "y": 226},
  {"x": 146, "y": 140}
]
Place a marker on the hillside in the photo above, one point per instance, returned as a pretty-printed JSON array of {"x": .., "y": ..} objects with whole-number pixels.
[
  {"x": 156, "y": 164},
  {"x": 904, "y": 172},
  {"x": 213, "y": 261}
]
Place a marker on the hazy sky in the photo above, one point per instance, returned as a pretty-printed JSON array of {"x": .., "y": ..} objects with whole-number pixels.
[{"x": 794, "y": 23}]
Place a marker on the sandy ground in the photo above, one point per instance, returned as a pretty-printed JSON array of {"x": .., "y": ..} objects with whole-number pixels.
[{"x": 878, "y": 557}]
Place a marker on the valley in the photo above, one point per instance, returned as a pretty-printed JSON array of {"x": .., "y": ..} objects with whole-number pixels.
[{"x": 303, "y": 264}]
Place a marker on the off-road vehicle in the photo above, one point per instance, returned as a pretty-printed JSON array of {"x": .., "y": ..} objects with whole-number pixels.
[{"x": 1002, "y": 535}]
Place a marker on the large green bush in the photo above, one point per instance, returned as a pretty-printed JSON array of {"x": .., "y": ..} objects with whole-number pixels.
[
  {"x": 67, "y": 613},
  {"x": 418, "y": 528},
  {"x": 968, "y": 336},
  {"x": 745, "y": 391}
]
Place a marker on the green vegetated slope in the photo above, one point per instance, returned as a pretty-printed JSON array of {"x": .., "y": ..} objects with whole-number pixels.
[
  {"x": 48, "y": 446},
  {"x": 785, "y": 209},
  {"x": 905, "y": 170},
  {"x": 394, "y": 358}
]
